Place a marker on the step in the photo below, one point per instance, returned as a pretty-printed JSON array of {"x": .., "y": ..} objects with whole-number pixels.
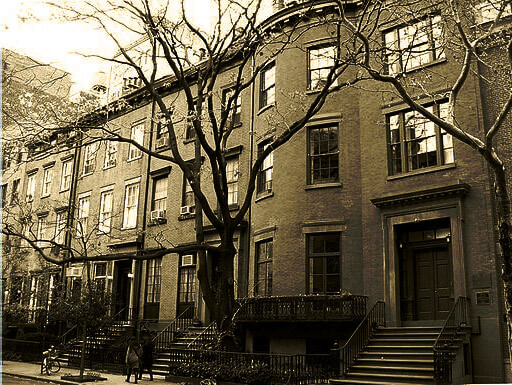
[
  {"x": 368, "y": 382},
  {"x": 401, "y": 348},
  {"x": 411, "y": 355},
  {"x": 402, "y": 341},
  {"x": 393, "y": 378},
  {"x": 392, "y": 370},
  {"x": 388, "y": 334},
  {"x": 395, "y": 362}
]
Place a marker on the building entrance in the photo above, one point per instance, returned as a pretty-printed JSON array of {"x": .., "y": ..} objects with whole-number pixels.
[
  {"x": 426, "y": 273},
  {"x": 122, "y": 271}
]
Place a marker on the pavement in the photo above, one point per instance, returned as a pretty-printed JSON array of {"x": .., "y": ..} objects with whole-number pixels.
[{"x": 33, "y": 371}]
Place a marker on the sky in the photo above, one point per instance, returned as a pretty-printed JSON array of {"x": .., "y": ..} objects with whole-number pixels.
[{"x": 27, "y": 27}]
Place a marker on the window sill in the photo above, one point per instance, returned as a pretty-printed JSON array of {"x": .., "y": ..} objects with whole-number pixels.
[
  {"x": 133, "y": 159},
  {"x": 108, "y": 167},
  {"x": 184, "y": 217},
  {"x": 45, "y": 196},
  {"x": 426, "y": 170},
  {"x": 158, "y": 222},
  {"x": 63, "y": 190},
  {"x": 323, "y": 185},
  {"x": 162, "y": 148},
  {"x": 128, "y": 228},
  {"x": 189, "y": 140},
  {"x": 264, "y": 108},
  {"x": 100, "y": 232},
  {"x": 89, "y": 173},
  {"x": 264, "y": 195}
]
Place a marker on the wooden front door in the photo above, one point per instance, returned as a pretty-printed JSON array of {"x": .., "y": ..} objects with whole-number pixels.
[{"x": 433, "y": 283}]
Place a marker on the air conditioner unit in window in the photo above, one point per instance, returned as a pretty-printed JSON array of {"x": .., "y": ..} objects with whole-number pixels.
[
  {"x": 187, "y": 210},
  {"x": 157, "y": 215},
  {"x": 162, "y": 141},
  {"x": 187, "y": 260},
  {"x": 73, "y": 272}
]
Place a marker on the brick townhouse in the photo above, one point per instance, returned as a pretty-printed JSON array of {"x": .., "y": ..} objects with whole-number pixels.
[{"x": 354, "y": 205}]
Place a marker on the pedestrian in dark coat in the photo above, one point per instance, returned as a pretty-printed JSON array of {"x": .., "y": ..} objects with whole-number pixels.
[
  {"x": 147, "y": 358},
  {"x": 133, "y": 356}
]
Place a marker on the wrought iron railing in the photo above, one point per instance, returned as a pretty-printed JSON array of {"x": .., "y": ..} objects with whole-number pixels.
[
  {"x": 164, "y": 338},
  {"x": 258, "y": 368},
  {"x": 69, "y": 335},
  {"x": 208, "y": 335},
  {"x": 359, "y": 339},
  {"x": 448, "y": 340},
  {"x": 303, "y": 308}
]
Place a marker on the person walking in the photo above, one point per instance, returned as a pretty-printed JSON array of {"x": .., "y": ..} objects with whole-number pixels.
[
  {"x": 147, "y": 357},
  {"x": 133, "y": 354}
]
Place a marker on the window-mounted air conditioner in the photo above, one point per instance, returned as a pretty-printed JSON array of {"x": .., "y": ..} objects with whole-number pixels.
[
  {"x": 156, "y": 215},
  {"x": 187, "y": 210},
  {"x": 187, "y": 260},
  {"x": 162, "y": 141}
]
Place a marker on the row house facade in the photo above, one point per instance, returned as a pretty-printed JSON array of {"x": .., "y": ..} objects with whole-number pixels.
[{"x": 369, "y": 199}]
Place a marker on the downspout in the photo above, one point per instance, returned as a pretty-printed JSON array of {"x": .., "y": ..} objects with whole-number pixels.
[{"x": 141, "y": 244}]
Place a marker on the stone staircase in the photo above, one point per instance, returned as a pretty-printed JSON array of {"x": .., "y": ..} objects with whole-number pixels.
[
  {"x": 181, "y": 342},
  {"x": 395, "y": 355}
]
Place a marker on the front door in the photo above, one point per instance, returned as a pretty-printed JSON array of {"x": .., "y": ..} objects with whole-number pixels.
[
  {"x": 187, "y": 287},
  {"x": 426, "y": 274},
  {"x": 432, "y": 283},
  {"x": 122, "y": 271}
]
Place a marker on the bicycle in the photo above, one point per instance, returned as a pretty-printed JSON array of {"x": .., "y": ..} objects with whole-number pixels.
[
  {"x": 50, "y": 364},
  {"x": 208, "y": 381}
]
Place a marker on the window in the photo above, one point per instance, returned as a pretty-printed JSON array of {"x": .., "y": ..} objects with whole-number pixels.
[
  {"x": 47, "y": 181},
  {"x": 159, "y": 194},
  {"x": 414, "y": 45},
  {"x": 323, "y": 154},
  {"x": 154, "y": 281},
  {"x": 414, "y": 142},
  {"x": 106, "y": 205},
  {"x": 4, "y": 194},
  {"x": 321, "y": 60},
  {"x": 131, "y": 201},
  {"x": 34, "y": 300},
  {"x": 31, "y": 187},
  {"x": 41, "y": 230},
  {"x": 60, "y": 226},
  {"x": 100, "y": 275},
  {"x": 268, "y": 85},
  {"x": 487, "y": 11},
  {"x": 190, "y": 130},
  {"x": 263, "y": 278},
  {"x": 162, "y": 133},
  {"x": 83, "y": 215},
  {"x": 17, "y": 288},
  {"x": 232, "y": 174},
  {"x": 266, "y": 170},
  {"x": 110, "y": 154},
  {"x": 137, "y": 135},
  {"x": 187, "y": 280},
  {"x": 188, "y": 196},
  {"x": 15, "y": 191},
  {"x": 91, "y": 151},
  {"x": 235, "y": 108},
  {"x": 324, "y": 263},
  {"x": 65, "y": 182}
]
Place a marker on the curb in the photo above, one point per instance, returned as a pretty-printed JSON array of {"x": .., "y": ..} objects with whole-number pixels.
[{"x": 43, "y": 379}]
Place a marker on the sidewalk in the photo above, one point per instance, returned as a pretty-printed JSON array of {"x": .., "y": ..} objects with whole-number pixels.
[{"x": 33, "y": 371}]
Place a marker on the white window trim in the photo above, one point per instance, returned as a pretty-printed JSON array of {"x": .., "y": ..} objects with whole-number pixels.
[
  {"x": 62, "y": 187},
  {"x": 48, "y": 170},
  {"x": 129, "y": 183}
]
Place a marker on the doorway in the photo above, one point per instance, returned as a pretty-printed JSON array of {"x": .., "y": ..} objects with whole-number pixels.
[
  {"x": 426, "y": 272},
  {"x": 122, "y": 273}
]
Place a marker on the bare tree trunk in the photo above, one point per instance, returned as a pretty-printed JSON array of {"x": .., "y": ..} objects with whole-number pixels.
[{"x": 82, "y": 354}]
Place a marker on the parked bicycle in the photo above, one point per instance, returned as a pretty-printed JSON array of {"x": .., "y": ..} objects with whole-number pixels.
[{"x": 50, "y": 364}]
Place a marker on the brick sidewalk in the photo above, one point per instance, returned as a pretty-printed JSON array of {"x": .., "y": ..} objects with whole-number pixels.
[{"x": 33, "y": 371}]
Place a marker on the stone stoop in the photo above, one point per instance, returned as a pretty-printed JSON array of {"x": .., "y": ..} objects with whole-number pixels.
[{"x": 395, "y": 356}]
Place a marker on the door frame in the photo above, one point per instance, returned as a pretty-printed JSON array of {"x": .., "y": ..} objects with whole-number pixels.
[{"x": 391, "y": 270}]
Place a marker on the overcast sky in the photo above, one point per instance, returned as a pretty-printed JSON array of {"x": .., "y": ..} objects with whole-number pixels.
[{"x": 53, "y": 42}]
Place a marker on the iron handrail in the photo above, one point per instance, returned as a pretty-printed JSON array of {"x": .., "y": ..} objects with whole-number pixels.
[
  {"x": 457, "y": 309},
  {"x": 359, "y": 339},
  {"x": 170, "y": 328},
  {"x": 210, "y": 326},
  {"x": 62, "y": 337},
  {"x": 446, "y": 342}
]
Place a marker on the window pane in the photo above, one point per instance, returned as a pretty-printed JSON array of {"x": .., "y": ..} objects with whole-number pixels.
[{"x": 332, "y": 243}]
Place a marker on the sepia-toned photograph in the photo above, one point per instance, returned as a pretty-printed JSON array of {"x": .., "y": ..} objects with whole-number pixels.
[{"x": 256, "y": 192}]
